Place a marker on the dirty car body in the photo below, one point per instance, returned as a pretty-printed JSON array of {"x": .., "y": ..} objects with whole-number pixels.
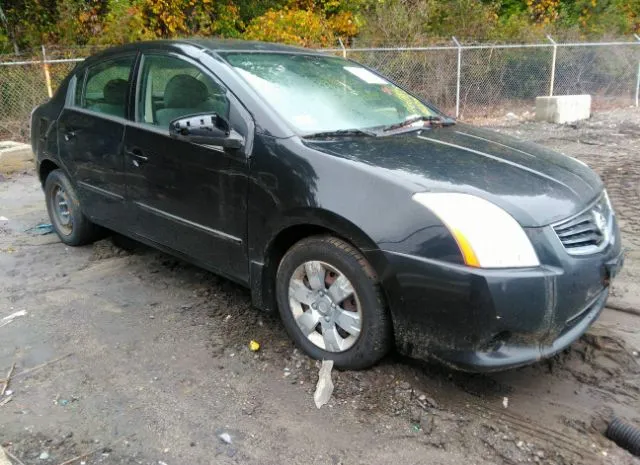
[{"x": 490, "y": 252}]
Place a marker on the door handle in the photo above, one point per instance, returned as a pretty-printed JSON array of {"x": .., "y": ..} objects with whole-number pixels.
[
  {"x": 69, "y": 135},
  {"x": 138, "y": 157}
]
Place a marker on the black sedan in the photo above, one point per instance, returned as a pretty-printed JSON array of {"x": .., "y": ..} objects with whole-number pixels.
[{"x": 363, "y": 214}]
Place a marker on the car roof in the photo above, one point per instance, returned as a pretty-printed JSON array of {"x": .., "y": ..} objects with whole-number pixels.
[
  {"x": 213, "y": 45},
  {"x": 224, "y": 45}
]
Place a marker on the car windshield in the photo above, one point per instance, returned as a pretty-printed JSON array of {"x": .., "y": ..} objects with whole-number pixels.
[{"x": 316, "y": 94}]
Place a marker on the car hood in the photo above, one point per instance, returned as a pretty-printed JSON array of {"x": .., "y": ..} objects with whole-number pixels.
[{"x": 537, "y": 186}]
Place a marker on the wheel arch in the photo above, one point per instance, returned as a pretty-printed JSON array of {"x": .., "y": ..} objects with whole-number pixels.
[
  {"x": 45, "y": 168},
  {"x": 291, "y": 230}
]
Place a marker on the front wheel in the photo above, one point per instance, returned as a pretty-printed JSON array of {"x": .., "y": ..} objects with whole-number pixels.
[{"x": 331, "y": 304}]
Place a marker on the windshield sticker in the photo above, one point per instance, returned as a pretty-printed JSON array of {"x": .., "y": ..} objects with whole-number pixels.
[
  {"x": 305, "y": 121},
  {"x": 258, "y": 82},
  {"x": 366, "y": 75}
]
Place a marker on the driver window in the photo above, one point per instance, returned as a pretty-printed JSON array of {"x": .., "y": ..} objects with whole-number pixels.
[{"x": 171, "y": 88}]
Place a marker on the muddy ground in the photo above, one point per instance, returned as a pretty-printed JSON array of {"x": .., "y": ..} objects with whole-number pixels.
[{"x": 157, "y": 363}]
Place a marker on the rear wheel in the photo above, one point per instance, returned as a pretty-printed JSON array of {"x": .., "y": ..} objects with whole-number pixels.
[
  {"x": 330, "y": 302},
  {"x": 67, "y": 219}
]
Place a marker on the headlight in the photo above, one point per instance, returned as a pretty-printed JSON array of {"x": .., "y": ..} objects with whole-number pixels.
[{"x": 488, "y": 237}]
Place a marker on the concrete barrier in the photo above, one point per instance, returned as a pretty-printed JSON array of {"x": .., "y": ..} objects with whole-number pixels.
[
  {"x": 563, "y": 108},
  {"x": 15, "y": 157}
]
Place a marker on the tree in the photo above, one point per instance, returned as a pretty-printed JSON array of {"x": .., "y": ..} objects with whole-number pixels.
[{"x": 29, "y": 23}]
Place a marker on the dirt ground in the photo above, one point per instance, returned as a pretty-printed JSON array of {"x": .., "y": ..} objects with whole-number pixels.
[{"x": 157, "y": 369}]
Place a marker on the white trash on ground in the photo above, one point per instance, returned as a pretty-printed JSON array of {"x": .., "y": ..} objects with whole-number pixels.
[
  {"x": 4, "y": 460},
  {"x": 8, "y": 319},
  {"x": 225, "y": 437},
  {"x": 324, "y": 388}
]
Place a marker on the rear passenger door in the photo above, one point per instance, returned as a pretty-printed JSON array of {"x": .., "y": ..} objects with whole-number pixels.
[{"x": 91, "y": 136}]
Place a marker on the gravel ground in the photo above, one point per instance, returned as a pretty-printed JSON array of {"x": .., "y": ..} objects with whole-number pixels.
[{"x": 157, "y": 366}]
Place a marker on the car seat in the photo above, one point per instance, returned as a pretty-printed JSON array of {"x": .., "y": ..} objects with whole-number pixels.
[
  {"x": 184, "y": 95},
  {"x": 115, "y": 98}
]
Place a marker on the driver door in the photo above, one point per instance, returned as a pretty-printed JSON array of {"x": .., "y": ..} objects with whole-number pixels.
[{"x": 189, "y": 197}]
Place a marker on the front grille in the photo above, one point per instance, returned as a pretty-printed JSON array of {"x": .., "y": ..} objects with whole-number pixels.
[{"x": 589, "y": 231}]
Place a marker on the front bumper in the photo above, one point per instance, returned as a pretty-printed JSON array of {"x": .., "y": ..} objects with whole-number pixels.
[{"x": 488, "y": 320}]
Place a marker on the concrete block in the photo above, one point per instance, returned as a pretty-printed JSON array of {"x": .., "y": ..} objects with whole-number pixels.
[
  {"x": 563, "y": 108},
  {"x": 15, "y": 157}
]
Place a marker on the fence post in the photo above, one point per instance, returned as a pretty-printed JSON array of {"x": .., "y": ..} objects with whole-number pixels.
[
  {"x": 638, "y": 77},
  {"x": 455, "y": 41},
  {"x": 47, "y": 76},
  {"x": 344, "y": 49},
  {"x": 553, "y": 65}
]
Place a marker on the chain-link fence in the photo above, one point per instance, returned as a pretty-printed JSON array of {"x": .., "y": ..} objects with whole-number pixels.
[
  {"x": 467, "y": 81},
  {"x": 24, "y": 84},
  {"x": 486, "y": 80}
]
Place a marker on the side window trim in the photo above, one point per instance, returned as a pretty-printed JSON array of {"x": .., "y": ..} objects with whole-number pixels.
[
  {"x": 83, "y": 84},
  {"x": 78, "y": 80},
  {"x": 71, "y": 91},
  {"x": 138, "y": 83}
]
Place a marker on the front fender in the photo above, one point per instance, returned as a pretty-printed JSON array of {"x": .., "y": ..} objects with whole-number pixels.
[
  {"x": 292, "y": 185},
  {"x": 322, "y": 219}
]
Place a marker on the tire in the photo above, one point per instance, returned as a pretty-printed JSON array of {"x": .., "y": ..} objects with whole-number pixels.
[
  {"x": 341, "y": 259},
  {"x": 74, "y": 228}
]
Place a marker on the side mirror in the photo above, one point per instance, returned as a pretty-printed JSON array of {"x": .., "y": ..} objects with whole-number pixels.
[{"x": 208, "y": 129}]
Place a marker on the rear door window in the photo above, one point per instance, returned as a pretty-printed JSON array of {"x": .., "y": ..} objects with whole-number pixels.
[{"x": 106, "y": 87}]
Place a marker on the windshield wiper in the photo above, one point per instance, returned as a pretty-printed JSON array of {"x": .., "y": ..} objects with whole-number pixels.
[
  {"x": 408, "y": 122},
  {"x": 341, "y": 133}
]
